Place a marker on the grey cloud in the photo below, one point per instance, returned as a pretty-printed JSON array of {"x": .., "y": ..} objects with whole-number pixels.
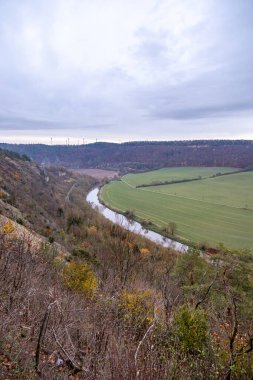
[
  {"x": 208, "y": 76},
  {"x": 204, "y": 112},
  {"x": 15, "y": 123},
  {"x": 225, "y": 91},
  {"x": 19, "y": 124}
]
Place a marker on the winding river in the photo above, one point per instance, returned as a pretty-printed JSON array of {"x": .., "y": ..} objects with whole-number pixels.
[{"x": 133, "y": 226}]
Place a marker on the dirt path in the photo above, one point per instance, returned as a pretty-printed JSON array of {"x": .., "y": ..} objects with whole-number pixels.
[{"x": 67, "y": 200}]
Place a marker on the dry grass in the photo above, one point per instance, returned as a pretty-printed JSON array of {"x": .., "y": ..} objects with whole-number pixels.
[{"x": 97, "y": 173}]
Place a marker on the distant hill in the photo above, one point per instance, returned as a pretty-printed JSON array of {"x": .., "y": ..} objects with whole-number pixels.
[{"x": 141, "y": 155}]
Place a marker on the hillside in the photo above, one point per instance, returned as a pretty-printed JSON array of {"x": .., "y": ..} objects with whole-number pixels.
[
  {"x": 82, "y": 298},
  {"x": 31, "y": 195},
  {"x": 142, "y": 155}
]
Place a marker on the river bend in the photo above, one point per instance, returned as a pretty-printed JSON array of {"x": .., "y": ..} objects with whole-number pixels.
[{"x": 132, "y": 226}]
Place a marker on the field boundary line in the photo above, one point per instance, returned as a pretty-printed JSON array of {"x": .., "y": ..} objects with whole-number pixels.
[{"x": 128, "y": 184}]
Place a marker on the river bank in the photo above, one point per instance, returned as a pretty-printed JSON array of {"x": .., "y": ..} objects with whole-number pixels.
[{"x": 135, "y": 227}]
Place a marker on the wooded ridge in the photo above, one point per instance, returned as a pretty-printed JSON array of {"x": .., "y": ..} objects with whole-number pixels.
[{"x": 142, "y": 155}]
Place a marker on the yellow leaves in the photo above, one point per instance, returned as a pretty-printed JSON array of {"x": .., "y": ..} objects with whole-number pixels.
[
  {"x": 136, "y": 300},
  {"x": 8, "y": 228},
  {"x": 80, "y": 278},
  {"x": 137, "y": 307},
  {"x": 131, "y": 301},
  {"x": 90, "y": 285},
  {"x": 92, "y": 230}
]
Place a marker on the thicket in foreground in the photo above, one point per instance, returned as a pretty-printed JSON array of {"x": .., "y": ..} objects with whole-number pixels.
[{"x": 136, "y": 312}]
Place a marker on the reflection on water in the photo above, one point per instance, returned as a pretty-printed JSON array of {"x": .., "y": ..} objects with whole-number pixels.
[{"x": 133, "y": 226}]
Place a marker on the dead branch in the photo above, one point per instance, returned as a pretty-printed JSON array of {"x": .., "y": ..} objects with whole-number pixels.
[
  {"x": 43, "y": 330},
  {"x": 232, "y": 339},
  {"x": 151, "y": 327},
  {"x": 70, "y": 361},
  {"x": 206, "y": 293}
]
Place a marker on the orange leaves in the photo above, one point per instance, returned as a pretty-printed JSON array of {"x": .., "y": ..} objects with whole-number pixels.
[
  {"x": 145, "y": 251},
  {"x": 3, "y": 195},
  {"x": 17, "y": 176}
]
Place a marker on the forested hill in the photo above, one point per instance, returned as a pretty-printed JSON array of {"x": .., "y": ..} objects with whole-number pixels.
[{"x": 142, "y": 155}]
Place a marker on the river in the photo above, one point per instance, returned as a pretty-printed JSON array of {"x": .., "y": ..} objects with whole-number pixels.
[{"x": 132, "y": 226}]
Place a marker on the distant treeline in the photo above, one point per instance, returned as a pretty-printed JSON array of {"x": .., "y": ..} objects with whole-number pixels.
[
  {"x": 191, "y": 142},
  {"x": 142, "y": 155},
  {"x": 14, "y": 155},
  {"x": 159, "y": 183}
]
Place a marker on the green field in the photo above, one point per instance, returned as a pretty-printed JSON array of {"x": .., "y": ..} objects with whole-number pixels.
[
  {"x": 212, "y": 210},
  {"x": 172, "y": 174}
]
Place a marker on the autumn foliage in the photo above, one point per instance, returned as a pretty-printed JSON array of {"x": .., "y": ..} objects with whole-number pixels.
[{"x": 102, "y": 303}]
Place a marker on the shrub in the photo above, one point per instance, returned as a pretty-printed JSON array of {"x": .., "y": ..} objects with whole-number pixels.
[
  {"x": 80, "y": 278},
  {"x": 85, "y": 255},
  {"x": 60, "y": 212},
  {"x": 20, "y": 221},
  {"x": 74, "y": 220},
  {"x": 92, "y": 230},
  {"x": 136, "y": 309},
  {"x": 191, "y": 329},
  {"x": 129, "y": 214},
  {"x": 8, "y": 228},
  {"x": 51, "y": 239},
  {"x": 170, "y": 229}
]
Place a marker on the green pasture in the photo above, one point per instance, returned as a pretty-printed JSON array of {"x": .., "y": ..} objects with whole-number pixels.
[
  {"x": 235, "y": 190},
  {"x": 212, "y": 210},
  {"x": 172, "y": 174}
]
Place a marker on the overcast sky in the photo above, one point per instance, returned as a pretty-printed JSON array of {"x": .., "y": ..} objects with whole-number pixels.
[{"x": 118, "y": 70}]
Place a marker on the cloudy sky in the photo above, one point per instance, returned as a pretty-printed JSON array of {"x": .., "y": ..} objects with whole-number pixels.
[{"x": 117, "y": 70}]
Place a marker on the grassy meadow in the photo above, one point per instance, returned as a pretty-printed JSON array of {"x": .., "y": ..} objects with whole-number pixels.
[
  {"x": 173, "y": 174},
  {"x": 210, "y": 210}
]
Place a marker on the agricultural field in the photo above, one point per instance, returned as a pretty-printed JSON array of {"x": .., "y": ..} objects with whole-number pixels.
[
  {"x": 173, "y": 174},
  {"x": 209, "y": 210}
]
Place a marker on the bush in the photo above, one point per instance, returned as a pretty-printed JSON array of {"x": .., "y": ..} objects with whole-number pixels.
[
  {"x": 85, "y": 255},
  {"x": 129, "y": 214},
  {"x": 51, "y": 239},
  {"x": 74, "y": 220},
  {"x": 80, "y": 278},
  {"x": 170, "y": 229},
  {"x": 191, "y": 329},
  {"x": 8, "y": 228},
  {"x": 136, "y": 309},
  {"x": 20, "y": 221}
]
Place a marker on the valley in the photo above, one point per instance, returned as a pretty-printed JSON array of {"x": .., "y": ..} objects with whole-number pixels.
[
  {"x": 77, "y": 289},
  {"x": 126, "y": 190}
]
